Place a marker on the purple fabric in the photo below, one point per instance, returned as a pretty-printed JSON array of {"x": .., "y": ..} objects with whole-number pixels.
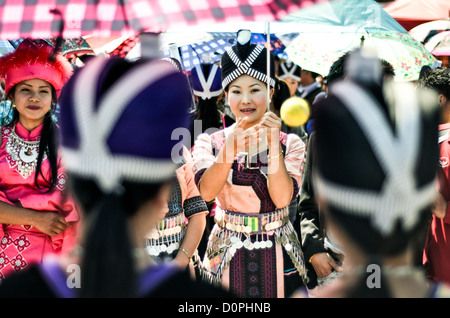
[
  {"x": 145, "y": 127},
  {"x": 195, "y": 82},
  {"x": 57, "y": 279}
]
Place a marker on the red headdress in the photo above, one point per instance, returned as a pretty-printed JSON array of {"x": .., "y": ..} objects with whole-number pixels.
[{"x": 35, "y": 59}]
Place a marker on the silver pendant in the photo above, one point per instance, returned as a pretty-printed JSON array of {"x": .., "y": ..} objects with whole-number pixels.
[{"x": 28, "y": 155}]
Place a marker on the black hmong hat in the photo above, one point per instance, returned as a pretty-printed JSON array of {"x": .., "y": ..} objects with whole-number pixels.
[
  {"x": 289, "y": 69},
  {"x": 246, "y": 58},
  {"x": 381, "y": 185}
]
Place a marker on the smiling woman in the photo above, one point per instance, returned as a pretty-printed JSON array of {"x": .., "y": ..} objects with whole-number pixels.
[
  {"x": 252, "y": 171},
  {"x": 35, "y": 213},
  {"x": 33, "y": 100}
]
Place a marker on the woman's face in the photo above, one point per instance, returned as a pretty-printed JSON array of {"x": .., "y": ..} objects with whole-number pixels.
[
  {"x": 293, "y": 85},
  {"x": 247, "y": 97},
  {"x": 33, "y": 99}
]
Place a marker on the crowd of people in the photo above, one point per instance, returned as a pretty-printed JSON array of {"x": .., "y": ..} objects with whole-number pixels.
[{"x": 352, "y": 203}]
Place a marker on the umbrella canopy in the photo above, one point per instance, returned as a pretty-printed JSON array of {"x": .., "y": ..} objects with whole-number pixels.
[
  {"x": 439, "y": 45},
  {"x": 6, "y": 47},
  {"x": 329, "y": 30},
  {"x": 70, "y": 47},
  {"x": 214, "y": 45},
  {"x": 318, "y": 51},
  {"x": 425, "y": 31},
  {"x": 411, "y": 13},
  {"x": 43, "y": 18}
]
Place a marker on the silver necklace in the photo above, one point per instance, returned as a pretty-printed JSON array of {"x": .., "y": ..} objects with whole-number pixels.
[{"x": 23, "y": 154}]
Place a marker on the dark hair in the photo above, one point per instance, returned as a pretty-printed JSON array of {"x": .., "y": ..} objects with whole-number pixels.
[
  {"x": 280, "y": 94},
  {"x": 208, "y": 113},
  {"x": 337, "y": 69},
  {"x": 48, "y": 144},
  {"x": 108, "y": 265},
  {"x": 437, "y": 79}
]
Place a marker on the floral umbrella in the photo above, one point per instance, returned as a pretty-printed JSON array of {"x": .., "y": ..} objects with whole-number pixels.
[
  {"x": 318, "y": 51},
  {"x": 327, "y": 31},
  {"x": 425, "y": 31},
  {"x": 439, "y": 45}
]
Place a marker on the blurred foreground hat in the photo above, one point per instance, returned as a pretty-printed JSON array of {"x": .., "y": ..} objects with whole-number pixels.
[
  {"x": 246, "y": 58},
  {"x": 381, "y": 184},
  {"x": 35, "y": 59},
  {"x": 117, "y": 119}
]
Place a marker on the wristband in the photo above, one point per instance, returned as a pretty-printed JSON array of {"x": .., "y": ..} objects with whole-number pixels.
[{"x": 186, "y": 253}]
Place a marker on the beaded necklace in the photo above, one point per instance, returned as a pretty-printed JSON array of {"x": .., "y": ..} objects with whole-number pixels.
[{"x": 23, "y": 154}]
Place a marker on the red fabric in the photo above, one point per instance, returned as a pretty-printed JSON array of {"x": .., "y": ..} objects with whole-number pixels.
[
  {"x": 22, "y": 245},
  {"x": 411, "y": 13},
  {"x": 436, "y": 256},
  {"x": 21, "y": 18},
  {"x": 31, "y": 60}
]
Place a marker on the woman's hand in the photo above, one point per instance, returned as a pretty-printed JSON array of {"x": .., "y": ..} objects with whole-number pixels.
[
  {"x": 241, "y": 139},
  {"x": 324, "y": 264},
  {"x": 50, "y": 223},
  {"x": 272, "y": 123}
]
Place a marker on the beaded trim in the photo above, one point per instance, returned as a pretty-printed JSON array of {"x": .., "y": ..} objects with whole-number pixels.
[
  {"x": 245, "y": 67},
  {"x": 224, "y": 242}
]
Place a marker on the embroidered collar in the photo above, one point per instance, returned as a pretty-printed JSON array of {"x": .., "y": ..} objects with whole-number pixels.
[{"x": 23, "y": 133}]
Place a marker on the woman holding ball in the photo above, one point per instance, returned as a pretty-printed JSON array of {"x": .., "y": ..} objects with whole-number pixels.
[{"x": 252, "y": 170}]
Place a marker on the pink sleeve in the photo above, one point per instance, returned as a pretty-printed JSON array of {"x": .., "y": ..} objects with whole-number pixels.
[
  {"x": 294, "y": 157},
  {"x": 202, "y": 153},
  {"x": 193, "y": 203}
]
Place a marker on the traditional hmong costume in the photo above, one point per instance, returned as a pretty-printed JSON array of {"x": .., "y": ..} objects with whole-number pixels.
[
  {"x": 185, "y": 201},
  {"x": 253, "y": 248},
  {"x": 22, "y": 245}
]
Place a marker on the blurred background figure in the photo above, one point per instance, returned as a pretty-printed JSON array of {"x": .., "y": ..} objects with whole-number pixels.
[
  {"x": 436, "y": 254},
  {"x": 290, "y": 73},
  {"x": 207, "y": 89},
  {"x": 378, "y": 192},
  {"x": 324, "y": 256}
]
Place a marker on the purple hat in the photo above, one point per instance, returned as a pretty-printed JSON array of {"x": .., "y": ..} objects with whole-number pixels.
[{"x": 117, "y": 119}]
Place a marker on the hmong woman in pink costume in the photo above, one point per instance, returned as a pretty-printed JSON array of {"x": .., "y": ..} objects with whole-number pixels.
[
  {"x": 36, "y": 215},
  {"x": 253, "y": 249}
]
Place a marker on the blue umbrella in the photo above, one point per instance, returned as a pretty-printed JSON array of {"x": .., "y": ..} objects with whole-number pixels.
[
  {"x": 192, "y": 54},
  {"x": 6, "y": 47}
]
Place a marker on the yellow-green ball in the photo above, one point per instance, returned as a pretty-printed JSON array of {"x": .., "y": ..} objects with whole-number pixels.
[{"x": 295, "y": 111}]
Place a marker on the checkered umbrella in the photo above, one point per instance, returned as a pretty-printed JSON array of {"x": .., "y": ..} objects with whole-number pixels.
[{"x": 43, "y": 18}]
